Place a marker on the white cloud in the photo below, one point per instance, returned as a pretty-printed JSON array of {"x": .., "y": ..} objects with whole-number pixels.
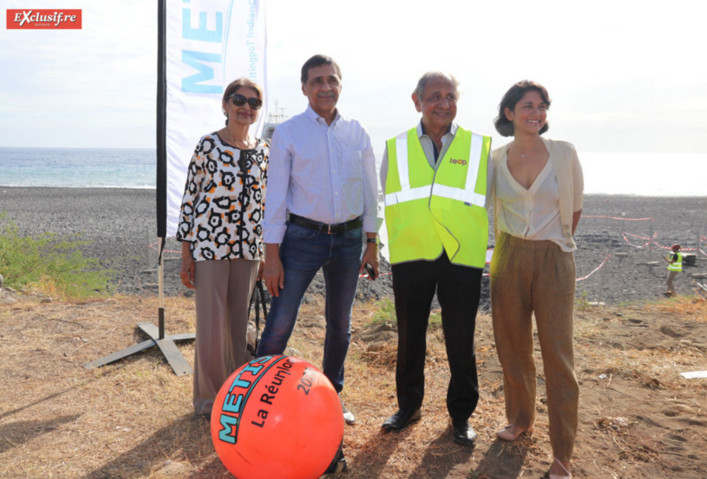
[{"x": 88, "y": 87}]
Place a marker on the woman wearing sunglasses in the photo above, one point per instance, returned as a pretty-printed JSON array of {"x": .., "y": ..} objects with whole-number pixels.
[{"x": 221, "y": 234}]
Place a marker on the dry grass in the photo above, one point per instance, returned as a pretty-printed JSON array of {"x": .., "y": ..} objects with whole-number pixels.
[
  {"x": 687, "y": 308},
  {"x": 133, "y": 419}
]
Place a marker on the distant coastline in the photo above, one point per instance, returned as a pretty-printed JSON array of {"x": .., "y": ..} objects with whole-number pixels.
[
  {"x": 78, "y": 167},
  {"x": 632, "y": 174},
  {"x": 99, "y": 187}
]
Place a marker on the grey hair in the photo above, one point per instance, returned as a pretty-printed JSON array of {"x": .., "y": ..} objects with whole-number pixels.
[{"x": 422, "y": 82}]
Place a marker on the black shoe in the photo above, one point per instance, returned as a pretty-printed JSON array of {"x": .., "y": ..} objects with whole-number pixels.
[
  {"x": 338, "y": 464},
  {"x": 464, "y": 434},
  {"x": 205, "y": 415},
  {"x": 337, "y": 467},
  {"x": 401, "y": 419}
]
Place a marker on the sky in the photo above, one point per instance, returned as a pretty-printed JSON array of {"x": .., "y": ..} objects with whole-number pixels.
[{"x": 623, "y": 75}]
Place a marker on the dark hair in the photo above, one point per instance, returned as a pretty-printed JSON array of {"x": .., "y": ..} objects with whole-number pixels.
[
  {"x": 316, "y": 61},
  {"x": 505, "y": 126},
  {"x": 239, "y": 83}
]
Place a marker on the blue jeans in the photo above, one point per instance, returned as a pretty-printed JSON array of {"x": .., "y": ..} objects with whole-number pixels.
[{"x": 303, "y": 252}]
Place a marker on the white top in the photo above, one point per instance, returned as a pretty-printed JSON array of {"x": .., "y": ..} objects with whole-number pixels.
[
  {"x": 568, "y": 172},
  {"x": 326, "y": 173},
  {"x": 533, "y": 213}
]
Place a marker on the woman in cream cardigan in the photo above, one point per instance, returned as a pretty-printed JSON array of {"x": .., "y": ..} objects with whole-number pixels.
[{"x": 537, "y": 197}]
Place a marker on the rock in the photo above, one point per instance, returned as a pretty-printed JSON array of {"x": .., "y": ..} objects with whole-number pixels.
[
  {"x": 615, "y": 423},
  {"x": 7, "y": 297}
]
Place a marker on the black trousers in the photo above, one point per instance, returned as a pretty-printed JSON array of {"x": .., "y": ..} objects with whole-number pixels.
[{"x": 458, "y": 289}]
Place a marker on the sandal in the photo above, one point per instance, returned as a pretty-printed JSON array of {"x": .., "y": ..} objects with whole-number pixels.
[
  {"x": 557, "y": 476},
  {"x": 512, "y": 432}
]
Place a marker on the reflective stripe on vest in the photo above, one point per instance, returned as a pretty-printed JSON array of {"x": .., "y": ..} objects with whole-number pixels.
[
  {"x": 465, "y": 195},
  {"x": 677, "y": 265},
  {"x": 430, "y": 211}
]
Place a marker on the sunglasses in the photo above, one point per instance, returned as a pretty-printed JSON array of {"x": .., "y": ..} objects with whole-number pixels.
[{"x": 240, "y": 100}]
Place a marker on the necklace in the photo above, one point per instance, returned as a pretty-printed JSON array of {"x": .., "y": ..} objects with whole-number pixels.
[
  {"x": 241, "y": 144},
  {"x": 522, "y": 155}
]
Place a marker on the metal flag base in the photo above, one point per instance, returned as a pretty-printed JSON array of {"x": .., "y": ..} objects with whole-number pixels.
[{"x": 167, "y": 345}]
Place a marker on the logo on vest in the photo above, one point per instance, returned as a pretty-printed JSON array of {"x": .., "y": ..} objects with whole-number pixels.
[{"x": 455, "y": 161}]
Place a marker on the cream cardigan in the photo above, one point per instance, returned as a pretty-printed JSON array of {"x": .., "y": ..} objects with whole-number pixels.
[{"x": 569, "y": 180}]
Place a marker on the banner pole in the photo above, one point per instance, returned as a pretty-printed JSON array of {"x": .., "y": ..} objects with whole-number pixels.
[
  {"x": 160, "y": 285},
  {"x": 167, "y": 345}
]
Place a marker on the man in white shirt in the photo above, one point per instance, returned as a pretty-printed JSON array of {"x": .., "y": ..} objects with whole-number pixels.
[{"x": 322, "y": 196}]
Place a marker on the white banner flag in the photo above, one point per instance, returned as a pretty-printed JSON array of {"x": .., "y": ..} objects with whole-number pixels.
[{"x": 209, "y": 43}]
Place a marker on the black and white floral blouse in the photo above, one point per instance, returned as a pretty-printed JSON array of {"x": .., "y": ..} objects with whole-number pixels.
[{"x": 222, "y": 206}]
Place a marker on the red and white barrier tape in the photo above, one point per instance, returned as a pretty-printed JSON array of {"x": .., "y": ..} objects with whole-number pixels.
[
  {"x": 652, "y": 240},
  {"x": 155, "y": 246},
  {"x": 595, "y": 269},
  {"x": 639, "y": 237},
  {"x": 668, "y": 247},
  {"x": 617, "y": 218}
]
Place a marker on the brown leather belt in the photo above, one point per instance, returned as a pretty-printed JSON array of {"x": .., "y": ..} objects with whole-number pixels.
[{"x": 325, "y": 228}]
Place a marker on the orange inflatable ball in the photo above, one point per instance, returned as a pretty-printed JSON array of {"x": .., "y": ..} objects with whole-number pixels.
[{"x": 277, "y": 417}]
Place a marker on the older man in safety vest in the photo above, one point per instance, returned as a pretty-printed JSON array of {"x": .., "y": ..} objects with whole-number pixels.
[{"x": 435, "y": 179}]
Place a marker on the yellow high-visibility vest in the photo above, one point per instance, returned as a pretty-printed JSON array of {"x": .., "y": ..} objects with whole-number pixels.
[
  {"x": 427, "y": 210},
  {"x": 677, "y": 264}
]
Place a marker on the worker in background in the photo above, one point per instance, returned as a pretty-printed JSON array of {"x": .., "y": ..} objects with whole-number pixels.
[{"x": 674, "y": 260}]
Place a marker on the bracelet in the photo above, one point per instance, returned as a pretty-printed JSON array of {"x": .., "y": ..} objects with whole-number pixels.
[{"x": 372, "y": 240}]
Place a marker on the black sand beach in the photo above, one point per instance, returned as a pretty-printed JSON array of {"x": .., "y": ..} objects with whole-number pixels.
[{"x": 121, "y": 230}]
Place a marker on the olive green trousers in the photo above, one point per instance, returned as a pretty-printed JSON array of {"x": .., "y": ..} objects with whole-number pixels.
[{"x": 536, "y": 277}]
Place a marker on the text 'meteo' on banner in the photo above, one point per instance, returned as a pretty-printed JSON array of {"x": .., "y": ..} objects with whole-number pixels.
[{"x": 209, "y": 43}]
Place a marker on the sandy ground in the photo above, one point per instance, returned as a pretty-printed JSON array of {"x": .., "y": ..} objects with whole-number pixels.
[{"x": 639, "y": 418}]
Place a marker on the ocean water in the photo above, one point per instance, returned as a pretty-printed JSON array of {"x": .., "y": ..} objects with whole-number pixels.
[
  {"x": 78, "y": 167},
  {"x": 645, "y": 174},
  {"x": 640, "y": 174}
]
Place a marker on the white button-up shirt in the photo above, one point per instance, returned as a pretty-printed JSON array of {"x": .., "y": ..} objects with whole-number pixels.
[{"x": 326, "y": 173}]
